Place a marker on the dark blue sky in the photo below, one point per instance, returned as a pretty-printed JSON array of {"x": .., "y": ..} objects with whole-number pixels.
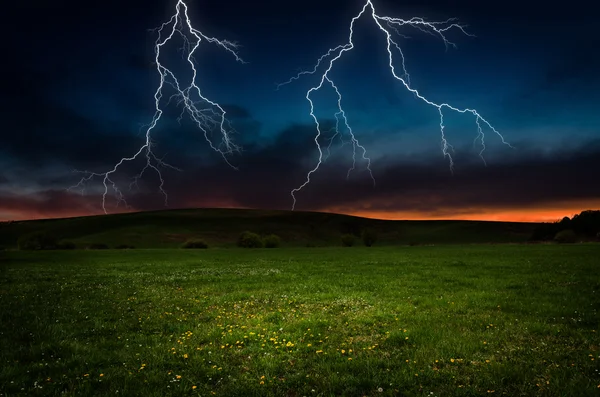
[{"x": 79, "y": 82}]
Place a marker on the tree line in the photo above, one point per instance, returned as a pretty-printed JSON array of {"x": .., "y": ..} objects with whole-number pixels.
[{"x": 583, "y": 226}]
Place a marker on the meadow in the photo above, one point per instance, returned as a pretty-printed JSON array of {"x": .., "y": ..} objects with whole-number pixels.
[{"x": 453, "y": 320}]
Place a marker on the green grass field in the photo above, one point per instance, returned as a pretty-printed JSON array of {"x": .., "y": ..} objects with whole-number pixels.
[{"x": 409, "y": 321}]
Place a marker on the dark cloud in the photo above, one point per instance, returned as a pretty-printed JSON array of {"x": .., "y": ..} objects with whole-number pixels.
[
  {"x": 529, "y": 179},
  {"x": 47, "y": 204},
  {"x": 54, "y": 134},
  {"x": 40, "y": 131},
  {"x": 267, "y": 174},
  {"x": 37, "y": 130}
]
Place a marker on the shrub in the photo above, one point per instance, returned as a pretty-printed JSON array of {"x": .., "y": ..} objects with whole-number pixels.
[
  {"x": 97, "y": 246},
  {"x": 369, "y": 237},
  {"x": 348, "y": 240},
  {"x": 249, "y": 240},
  {"x": 272, "y": 241},
  {"x": 124, "y": 247},
  {"x": 566, "y": 236},
  {"x": 37, "y": 241},
  {"x": 195, "y": 243},
  {"x": 66, "y": 245}
]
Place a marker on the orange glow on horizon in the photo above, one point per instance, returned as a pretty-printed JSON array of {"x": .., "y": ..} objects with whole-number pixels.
[{"x": 543, "y": 213}]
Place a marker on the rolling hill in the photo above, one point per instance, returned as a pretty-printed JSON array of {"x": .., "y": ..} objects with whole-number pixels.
[{"x": 221, "y": 227}]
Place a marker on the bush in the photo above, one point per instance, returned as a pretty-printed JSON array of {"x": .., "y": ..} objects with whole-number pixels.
[
  {"x": 195, "y": 243},
  {"x": 249, "y": 240},
  {"x": 66, "y": 245},
  {"x": 97, "y": 246},
  {"x": 565, "y": 236},
  {"x": 125, "y": 247},
  {"x": 37, "y": 241},
  {"x": 369, "y": 237},
  {"x": 348, "y": 240},
  {"x": 272, "y": 241}
]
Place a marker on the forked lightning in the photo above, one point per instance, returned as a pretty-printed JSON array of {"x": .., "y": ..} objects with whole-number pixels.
[
  {"x": 389, "y": 27},
  {"x": 208, "y": 115}
]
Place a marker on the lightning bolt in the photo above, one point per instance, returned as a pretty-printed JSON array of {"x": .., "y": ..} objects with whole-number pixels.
[
  {"x": 390, "y": 27},
  {"x": 205, "y": 113}
]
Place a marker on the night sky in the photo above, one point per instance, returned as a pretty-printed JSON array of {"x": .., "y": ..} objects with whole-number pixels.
[{"x": 78, "y": 82}]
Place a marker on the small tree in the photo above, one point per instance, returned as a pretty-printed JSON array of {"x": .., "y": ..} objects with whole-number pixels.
[
  {"x": 564, "y": 223},
  {"x": 249, "y": 240},
  {"x": 348, "y": 240},
  {"x": 195, "y": 243},
  {"x": 369, "y": 237},
  {"x": 566, "y": 236},
  {"x": 272, "y": 241}
]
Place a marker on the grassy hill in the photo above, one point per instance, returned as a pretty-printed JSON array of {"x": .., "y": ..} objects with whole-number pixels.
[{"x": 221, "y": 227}]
